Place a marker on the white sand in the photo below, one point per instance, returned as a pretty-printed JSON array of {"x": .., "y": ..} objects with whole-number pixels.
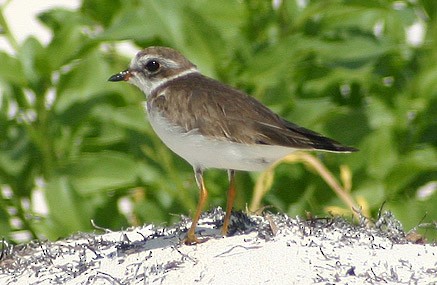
[{"x": 325, "y": 251}]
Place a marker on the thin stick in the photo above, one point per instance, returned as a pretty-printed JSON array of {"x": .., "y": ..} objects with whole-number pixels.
[{"x": 265, "y": 181}]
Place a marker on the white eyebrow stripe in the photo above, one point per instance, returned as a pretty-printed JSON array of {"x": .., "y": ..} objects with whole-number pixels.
[
  {"x": 170, "y": 63},
  {"x": 166, "y": 61}
]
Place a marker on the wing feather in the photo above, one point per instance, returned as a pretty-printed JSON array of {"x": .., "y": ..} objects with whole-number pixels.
[{"x": 217, "y": 110}]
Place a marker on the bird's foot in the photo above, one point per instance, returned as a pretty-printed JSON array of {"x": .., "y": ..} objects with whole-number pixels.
[{"x": 192, "y": 239}]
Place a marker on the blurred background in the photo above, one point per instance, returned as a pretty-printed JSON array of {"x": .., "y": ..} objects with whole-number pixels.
[{"x": 75, "y": 148}]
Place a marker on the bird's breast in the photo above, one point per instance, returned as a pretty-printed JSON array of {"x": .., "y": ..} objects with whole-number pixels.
[{"x": 209, "y": 152}]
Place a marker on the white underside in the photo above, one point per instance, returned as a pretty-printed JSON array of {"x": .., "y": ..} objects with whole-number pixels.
[{"x": 203, "y": 152}]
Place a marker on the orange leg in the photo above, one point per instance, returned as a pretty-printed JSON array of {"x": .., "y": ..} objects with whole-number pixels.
[
  {"x": 191, "y": 234},
  {"x": 230, "y": 202}
]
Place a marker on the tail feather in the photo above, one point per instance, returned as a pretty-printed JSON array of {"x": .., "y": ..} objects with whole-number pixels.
[{"x": 318, "y": 141}]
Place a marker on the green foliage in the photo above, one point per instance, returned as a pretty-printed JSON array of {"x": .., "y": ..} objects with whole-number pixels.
[{"x": 343, "y": 68}]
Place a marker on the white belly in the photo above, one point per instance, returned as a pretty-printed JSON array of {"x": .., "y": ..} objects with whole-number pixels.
[{"x": 203, "y": 152}]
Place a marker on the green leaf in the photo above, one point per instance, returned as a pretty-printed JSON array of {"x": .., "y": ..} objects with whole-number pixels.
[
  {"x": 101, "y": 11},
  {"x": 68, "y": 211},
  {"x": 373, "y": 192},
  {"x": 411, "y": 166},
  {"x": 413, "y": 212},
  {"x": 102, "y": 171},
  {"x": 268, "y": 66},
  {"x": 380, "y": 152},
  {"x": 85, "y": 81},
  {"x": 129, "y": 117},
  {"x": 11, "y": 70},
  {"x": 69, "y": 38},
  {"x": 5, "y": 228},
  {"x": 354, "y": 49},
  {"x": 148, "y": 19},
  {"x": 380, "y": 115},
  {"x": 204, "y": 42},
  {"x": 13, "y": 161},
  {"x": 32, "y": 56}
]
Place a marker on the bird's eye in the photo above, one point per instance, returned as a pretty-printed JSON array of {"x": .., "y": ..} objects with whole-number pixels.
[{"x": 152, "y": 65}]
